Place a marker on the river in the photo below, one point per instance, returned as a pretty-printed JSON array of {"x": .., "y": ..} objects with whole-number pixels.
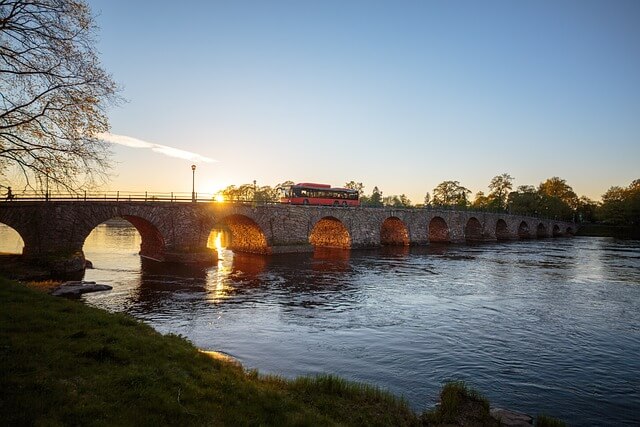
[{"x": 548, "y": 326}]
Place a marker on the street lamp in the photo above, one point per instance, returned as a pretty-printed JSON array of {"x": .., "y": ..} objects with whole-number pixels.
[
  {"x": 254, "y": 190},
  {"x": 193, "y": 183}
]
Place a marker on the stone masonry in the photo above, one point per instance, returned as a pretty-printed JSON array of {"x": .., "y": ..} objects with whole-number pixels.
[{"x": 178, "y": 232}]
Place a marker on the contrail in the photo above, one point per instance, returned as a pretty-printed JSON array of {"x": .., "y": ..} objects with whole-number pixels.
[{"x": 128, "y": 141}]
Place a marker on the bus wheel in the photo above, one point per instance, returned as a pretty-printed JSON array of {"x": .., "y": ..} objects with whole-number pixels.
[
  {"x": 336, "y": 203},
  {"x": 344, "y": 204},
  {"x": 305, "y": 202}
]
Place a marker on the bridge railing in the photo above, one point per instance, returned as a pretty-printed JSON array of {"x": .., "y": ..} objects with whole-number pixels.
[{"x": 111, "y": 196}]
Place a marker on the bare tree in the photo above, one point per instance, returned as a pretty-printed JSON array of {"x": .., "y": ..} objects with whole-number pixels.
[{"x": 53, "y": 94}]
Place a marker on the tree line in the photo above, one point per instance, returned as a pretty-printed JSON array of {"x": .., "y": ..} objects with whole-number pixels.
[{"x": 552, "y": 198}]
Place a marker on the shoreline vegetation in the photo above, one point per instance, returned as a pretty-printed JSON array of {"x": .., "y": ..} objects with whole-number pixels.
[{"x": 67, "y": 363}]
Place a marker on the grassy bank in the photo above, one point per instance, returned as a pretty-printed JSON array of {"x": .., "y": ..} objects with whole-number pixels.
[{"x": 67, "y": 363}]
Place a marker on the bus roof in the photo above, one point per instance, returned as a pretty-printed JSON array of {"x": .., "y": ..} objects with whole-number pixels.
[
  {"x": 313, "y": 185},
  {"x": 324, "y": 187}
]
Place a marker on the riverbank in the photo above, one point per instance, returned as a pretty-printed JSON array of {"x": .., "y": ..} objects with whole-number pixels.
[
  {"x": 68, "y": 363},
  {"x": 602, "y": 230}
]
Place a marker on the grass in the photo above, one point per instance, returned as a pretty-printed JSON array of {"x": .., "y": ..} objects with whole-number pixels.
[
  {"x": 67, "y": 363},
  {"x": 460, "y": 405}
]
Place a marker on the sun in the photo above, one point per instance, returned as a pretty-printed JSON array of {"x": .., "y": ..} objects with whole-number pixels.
[{"x": 219, "y": 198}]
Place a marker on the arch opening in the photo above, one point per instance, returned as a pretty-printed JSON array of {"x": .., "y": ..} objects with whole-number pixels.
[
  {"x": 473, "y": 230},
  {"x": 502, "y": 230},
  {"x": 11, "y": 242},
  {"x": 438, "y": 230},
  {"x": 523, "y": 230},
  {"x": 123, "y": 235},
  {"x": 243, "y": 234},
  {"x": 394, "y": 232},
  {"x": 569, "y": 231},
  {"x": 151, "y": 241},
  {"x": 330, "y": 232},
  {"x": 556, "y": 231},
  {"x": 541, "y": 231}
]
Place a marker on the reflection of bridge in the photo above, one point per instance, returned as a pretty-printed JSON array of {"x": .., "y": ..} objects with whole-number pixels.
[{"x": 178, "y": 232}]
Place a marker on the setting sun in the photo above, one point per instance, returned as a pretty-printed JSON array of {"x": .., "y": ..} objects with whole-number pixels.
[{"x": 219, "y": 198}]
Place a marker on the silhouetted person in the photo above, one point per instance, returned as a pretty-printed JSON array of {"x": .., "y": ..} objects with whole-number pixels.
[{"x": 10, "y": 195}]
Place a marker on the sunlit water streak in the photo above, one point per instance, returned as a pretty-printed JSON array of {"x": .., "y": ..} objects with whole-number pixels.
[{"x": 539, "y": 326}]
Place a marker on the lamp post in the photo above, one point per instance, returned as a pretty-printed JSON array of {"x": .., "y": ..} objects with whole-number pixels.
[
  {"x": 193, "y": 183},
  {"x": 254, "y": 190}
]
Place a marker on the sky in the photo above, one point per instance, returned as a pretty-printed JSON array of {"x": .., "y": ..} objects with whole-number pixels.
[{"x": 396, "y": 94}]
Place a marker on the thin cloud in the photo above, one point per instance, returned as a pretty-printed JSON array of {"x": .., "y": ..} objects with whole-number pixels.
[{"x": 128, "y": 141}]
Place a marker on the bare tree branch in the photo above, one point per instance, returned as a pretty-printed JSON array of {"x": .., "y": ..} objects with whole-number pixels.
[{"x": 53, "y": 94}]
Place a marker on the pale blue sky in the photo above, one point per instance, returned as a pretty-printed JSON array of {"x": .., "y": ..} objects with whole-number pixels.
[{"x": 398, "y": 94}]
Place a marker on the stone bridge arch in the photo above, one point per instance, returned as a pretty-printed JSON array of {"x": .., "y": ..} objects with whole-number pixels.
[
  {"x": 330, "y": 232},
  {"x": 555, "y": 232},
  {"x": 523, "y": 230},
  {"x": 246, "y": 235},
  {"x": 394, "y": 232},
  {"x": 502, "y": 230},
  {"x": 473, "y": 230},
  {"x": 152, "y": 239},
  {"x": 541, "y": 231},
  {"x": 14, "y": 239},
  {"x": 439, "y": 230},
  {"x": 21, "y": 222}
]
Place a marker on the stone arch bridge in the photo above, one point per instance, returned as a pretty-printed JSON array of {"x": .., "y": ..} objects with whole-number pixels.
[{"x": 178, "y": 232}]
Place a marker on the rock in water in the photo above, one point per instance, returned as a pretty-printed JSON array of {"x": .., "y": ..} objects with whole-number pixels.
[
  {"x": 510, "y": 418},
  {"x": 77, "y": 288}
]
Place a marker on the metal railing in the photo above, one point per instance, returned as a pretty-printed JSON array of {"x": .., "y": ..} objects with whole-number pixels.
[{"x": 111, "y": 196}]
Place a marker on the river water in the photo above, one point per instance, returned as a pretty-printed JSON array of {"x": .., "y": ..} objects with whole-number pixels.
[{"x": 544, "y": 326}]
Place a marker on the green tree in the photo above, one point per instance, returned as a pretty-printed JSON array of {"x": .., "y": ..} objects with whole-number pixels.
[
  {"x": 480, "y": 201},
  {"x": 556, "y": 187},
  {"x": 355, "y": 186},
  {"x": 613, "y": 208},
  {"x": 500, "y": 187},
  {"x": 587, "y": 209},
  {"x": 396, "y": 201},
  {"x": 450, "y": 193},
  {"x": 427, "y": 199},
  {"x": 54, "y": 94},
  {"x": 523, "y": 201},
  {"x": 404, "y": 201},
  {"x": 557, "y": 199},
  {"x": 632, "y": 211},
  {"x": 376, "y": 197}
]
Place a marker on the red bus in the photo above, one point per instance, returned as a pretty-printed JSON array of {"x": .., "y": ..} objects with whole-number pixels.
[{"x": 307, "y": 193}]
